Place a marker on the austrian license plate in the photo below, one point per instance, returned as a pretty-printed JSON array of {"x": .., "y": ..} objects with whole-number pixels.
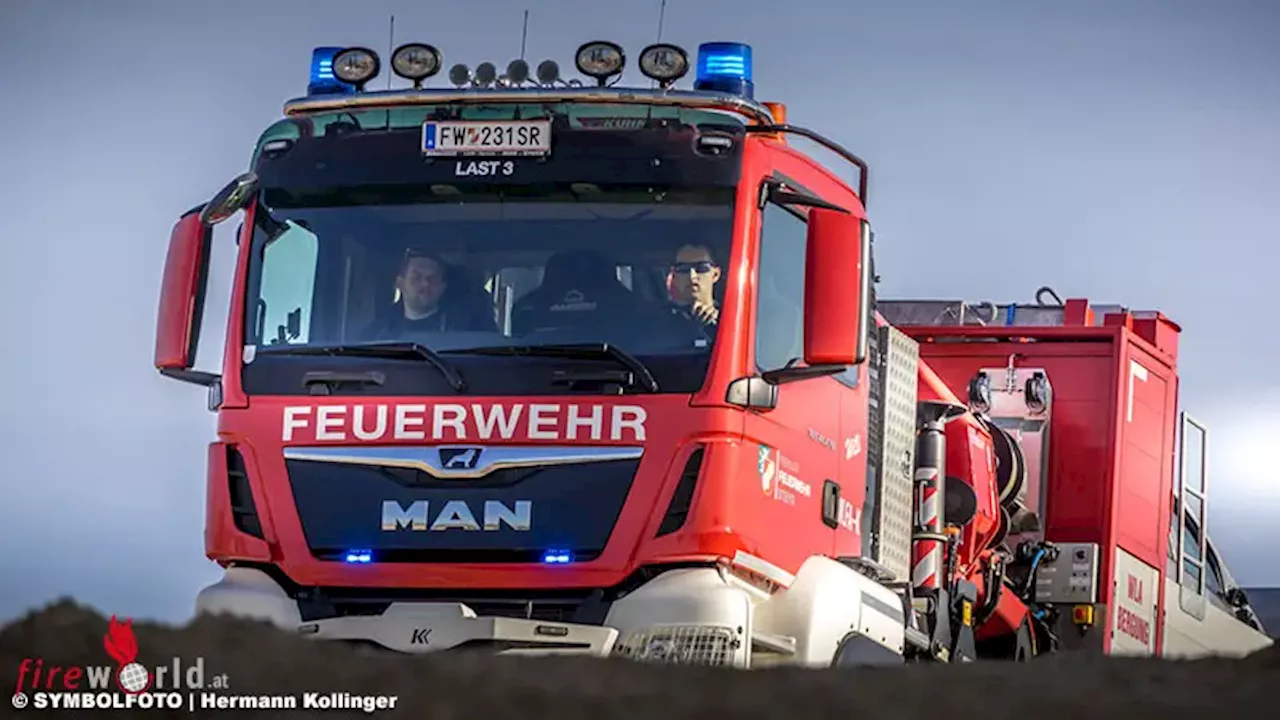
[{"x": 487, "y": 137}]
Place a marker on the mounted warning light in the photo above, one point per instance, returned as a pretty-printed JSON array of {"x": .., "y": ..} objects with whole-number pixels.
[
  {"x": 486, "y": 74},
  {"x": 460, "y": 75},
  {"x": 323, "y": 81},
  {"x": 548, "y": 72},
  {"x": 517, "y": 72},
  {"x": 416, "y": 62},
  {"x": 664, "y": 63},
  {"x": 600, "y": 60},
  {"x": 725, "y": 67},
  {"x": 358, "y": 556},
  {"x": 356, "y": 66},
  {"x": 557, "y": 557}
]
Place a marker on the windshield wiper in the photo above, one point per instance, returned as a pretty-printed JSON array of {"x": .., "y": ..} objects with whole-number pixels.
[
  {"x": 642, "y": 377},
  {"x": 391, "y": 350}
]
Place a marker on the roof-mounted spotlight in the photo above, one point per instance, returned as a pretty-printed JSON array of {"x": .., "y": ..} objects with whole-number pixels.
[
  {"x": 548, "y": 73},
  {"x": 600, "y": 60},
  {"x": 356, "y": 66},
  {"x": 517, "y": 72},
  {"x": 486, "y": 74},
  {"x": 664, "y": 63},
  {"x": 416, "y": 62},
  {"x": 460, "y": 75}
]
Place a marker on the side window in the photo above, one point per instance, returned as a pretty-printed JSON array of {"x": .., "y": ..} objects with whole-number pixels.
[
  {"x": 1192, "y": 564},
  {"x": 1213, "y": 578},
  {"x": 286, "y": 287},
  {"x": 1192, "y": 485},
  {"x": 1190, "y": 540},
  {"x": 780, "y": 294}
]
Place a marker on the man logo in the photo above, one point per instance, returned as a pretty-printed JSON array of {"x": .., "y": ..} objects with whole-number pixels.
[
  {"x": 459, "y": 458},
  {"x": 457, "y": 515}
]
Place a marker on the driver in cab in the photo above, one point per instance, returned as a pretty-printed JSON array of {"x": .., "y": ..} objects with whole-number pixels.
[
  {"x": 425, "y": 302},
  {"x": 694, "y": 274}
]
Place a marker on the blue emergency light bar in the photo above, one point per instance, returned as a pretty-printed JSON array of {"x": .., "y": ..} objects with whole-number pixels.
[
  {"x": 359, "y": 556},
  {"x": 323, "y": 81},
  {"x": 725, "y": 67}
]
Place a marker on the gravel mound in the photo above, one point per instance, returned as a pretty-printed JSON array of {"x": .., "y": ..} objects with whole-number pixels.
[{"x": 257, "y": 659}]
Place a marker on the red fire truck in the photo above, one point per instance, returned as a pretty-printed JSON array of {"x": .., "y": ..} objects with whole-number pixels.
[{"x": 541, "y": 365}]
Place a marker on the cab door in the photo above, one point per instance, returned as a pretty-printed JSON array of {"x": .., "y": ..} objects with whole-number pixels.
[{"x": 795, "y": 443}]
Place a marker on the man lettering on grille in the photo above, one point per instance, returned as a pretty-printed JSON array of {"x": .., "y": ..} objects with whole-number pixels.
[{"x": 694, "y": 275}]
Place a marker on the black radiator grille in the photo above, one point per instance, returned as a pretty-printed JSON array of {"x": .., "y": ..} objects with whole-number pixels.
[{"x": 572, "y": 507}]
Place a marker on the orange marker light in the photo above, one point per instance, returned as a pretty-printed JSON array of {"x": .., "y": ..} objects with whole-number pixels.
[{"x": 778, "y": 111}]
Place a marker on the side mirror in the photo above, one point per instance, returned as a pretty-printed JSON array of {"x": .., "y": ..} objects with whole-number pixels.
[
  {"x": 186, "y": 270},
  {"x": 837, "y": 288},
  {"x": 755, "y": 393},
  {"x": 182, "y": 299},
  {"x": 234, "y": 197}
]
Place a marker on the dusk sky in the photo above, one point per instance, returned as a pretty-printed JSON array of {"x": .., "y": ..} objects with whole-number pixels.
[{"x": 1124, "y": 151}]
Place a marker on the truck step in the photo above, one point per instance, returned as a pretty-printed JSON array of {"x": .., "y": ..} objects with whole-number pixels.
[{"x": 773, "y": 643}]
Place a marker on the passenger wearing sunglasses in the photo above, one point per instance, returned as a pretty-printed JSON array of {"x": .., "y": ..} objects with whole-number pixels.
[{"x": 694, "y": 275}]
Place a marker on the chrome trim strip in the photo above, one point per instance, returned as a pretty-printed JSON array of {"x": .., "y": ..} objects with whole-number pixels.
[
  {"x": 491, "y": 457},
  {"x": 632, "y": 96}
]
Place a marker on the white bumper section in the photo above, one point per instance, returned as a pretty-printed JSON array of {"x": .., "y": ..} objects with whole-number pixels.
[{"x": 703, "y": 616}]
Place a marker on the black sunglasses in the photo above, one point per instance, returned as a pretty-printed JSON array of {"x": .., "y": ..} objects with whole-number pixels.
[{"x": 701, "y": 266}]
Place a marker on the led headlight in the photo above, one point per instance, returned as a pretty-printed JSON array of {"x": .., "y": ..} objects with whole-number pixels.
[
  {"x": 356, "y": 66},
  {"x": 664, "y": 63},
  {"x": 600, "y": 60},
  {"x": 416, "y": 62}
]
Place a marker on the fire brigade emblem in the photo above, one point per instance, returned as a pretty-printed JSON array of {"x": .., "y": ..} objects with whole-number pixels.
[{"x": 767, "y": 467}]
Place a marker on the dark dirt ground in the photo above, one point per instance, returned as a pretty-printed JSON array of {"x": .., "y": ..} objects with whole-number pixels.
[{"x": 258, "y": 659}]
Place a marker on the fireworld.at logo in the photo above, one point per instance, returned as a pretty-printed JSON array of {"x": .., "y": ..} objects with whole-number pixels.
[{"x": 129, "y": 676}]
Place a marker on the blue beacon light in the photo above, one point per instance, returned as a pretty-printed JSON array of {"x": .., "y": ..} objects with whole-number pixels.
[
  {"x": 725, "y": 67},
  {"x": 557, "y": 557},
  {"x": 323, "y": 81},
  {"x": 359, "y": 556}
]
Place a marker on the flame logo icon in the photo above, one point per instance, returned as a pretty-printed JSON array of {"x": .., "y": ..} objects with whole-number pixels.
[{"x": 121, "y": 645}]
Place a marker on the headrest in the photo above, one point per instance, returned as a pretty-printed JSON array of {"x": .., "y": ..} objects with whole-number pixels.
[{"x": 577, "y": 269}]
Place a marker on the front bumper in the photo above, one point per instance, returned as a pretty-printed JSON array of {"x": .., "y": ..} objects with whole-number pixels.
[
  {"x": 432, "y": 626},
  {"x": 687, "y": 616},
  {"x": 827, "y": 613},
  {"x": 409, "y": 627}
]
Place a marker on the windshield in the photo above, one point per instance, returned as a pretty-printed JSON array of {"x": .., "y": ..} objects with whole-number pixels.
[
  {"x": 588, "y": 262},
  {"x": 633, "y": 268}
]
